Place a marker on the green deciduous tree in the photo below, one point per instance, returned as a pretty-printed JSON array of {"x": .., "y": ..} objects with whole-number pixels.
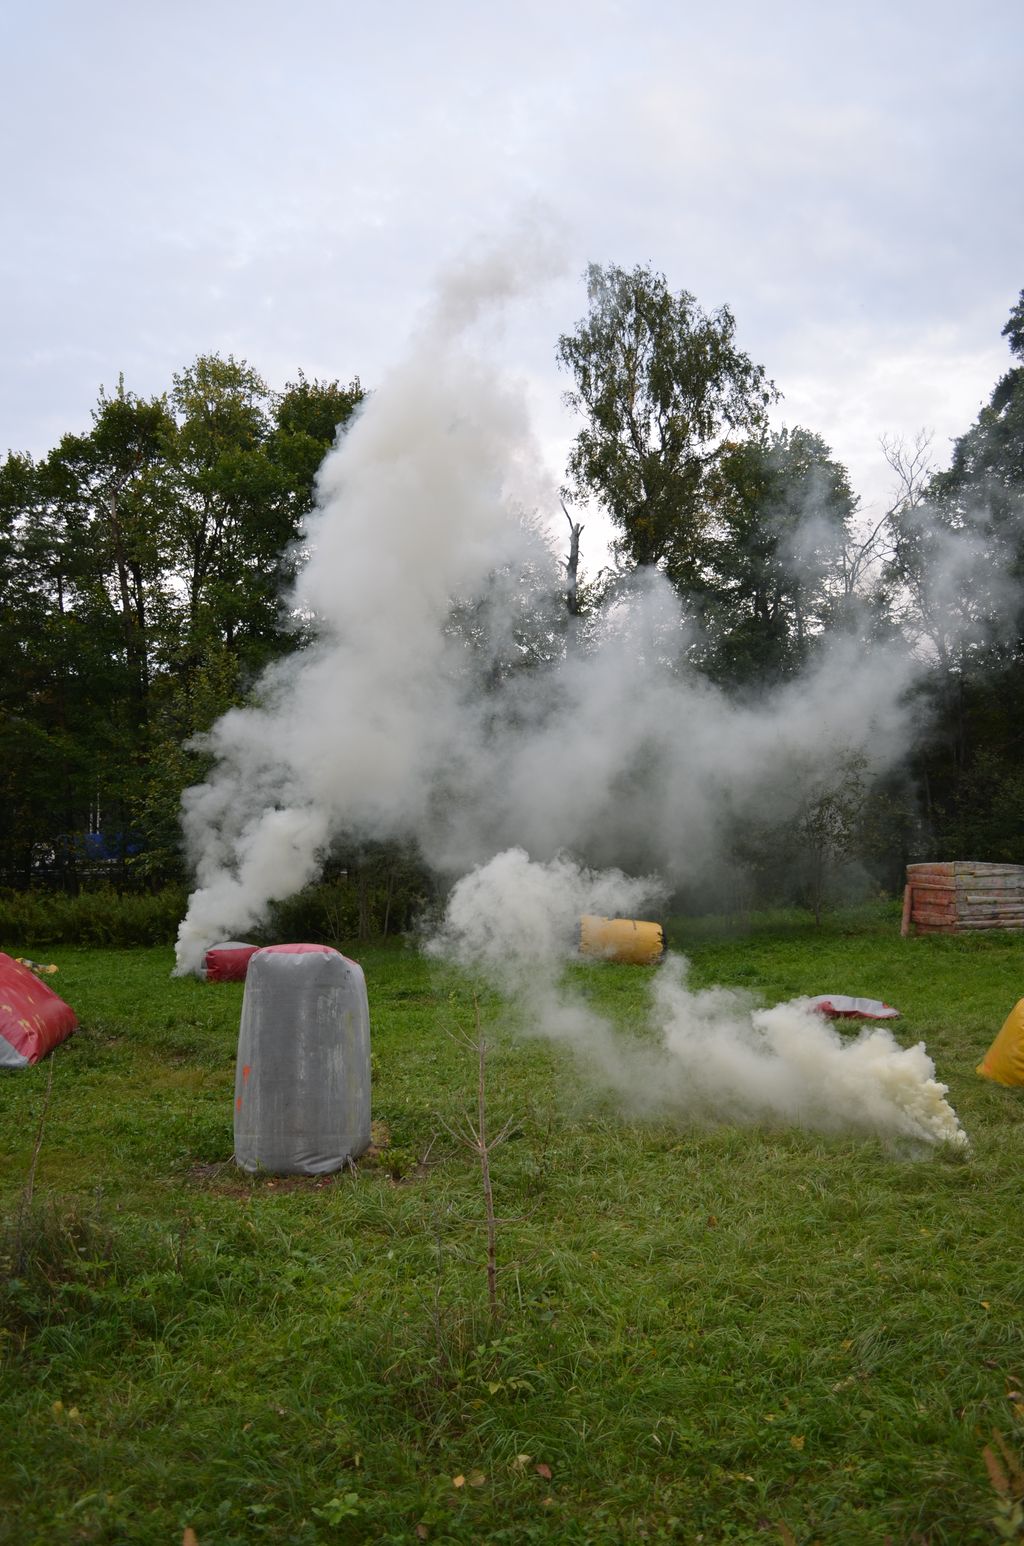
[
  {"x": 245, "y": 462},
  {"x": 72, "y": 701},
  {"x": 663, "y": 389},
  {"x": 228, "y": 526},
  {"x": 117, "y": 502},
  {"x": 773, "y": 574},
  {"x": 140, "y": 567},
  {"x": 243, "y": 470},
  {"x": 957, "y": 573}
]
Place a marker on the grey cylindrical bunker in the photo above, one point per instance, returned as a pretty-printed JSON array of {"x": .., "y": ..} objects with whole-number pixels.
[{"x": 302, "y": 1081}]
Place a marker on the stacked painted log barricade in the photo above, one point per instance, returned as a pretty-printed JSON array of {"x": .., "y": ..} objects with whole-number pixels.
[{"x": 963, "y": 895}]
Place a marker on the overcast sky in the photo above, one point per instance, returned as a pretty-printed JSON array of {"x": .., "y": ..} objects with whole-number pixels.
[{"x": 283, "y": 181}]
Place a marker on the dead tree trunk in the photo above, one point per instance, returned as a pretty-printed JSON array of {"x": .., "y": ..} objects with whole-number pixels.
[{"x": 572, "y": 580}]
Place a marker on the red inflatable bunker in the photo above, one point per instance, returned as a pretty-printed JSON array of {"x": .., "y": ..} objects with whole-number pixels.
[
  {"x": 33, "y": 1020},
  {"x": 228, "y": 962},
  {"x": 839, "y": 1006}
]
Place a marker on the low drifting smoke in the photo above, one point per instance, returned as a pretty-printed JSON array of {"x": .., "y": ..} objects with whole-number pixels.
[
  {"x": 704, "y": 1056},
  {"x": 512, "y": 916},
  {"x": 439, "y": 703}
]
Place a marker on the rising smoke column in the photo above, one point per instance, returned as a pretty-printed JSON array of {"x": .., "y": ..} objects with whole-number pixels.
[
  {"x": 714, "y": 1056},
  {"x": 397, "y": 723},
  {"x": 359, "y": 732}
]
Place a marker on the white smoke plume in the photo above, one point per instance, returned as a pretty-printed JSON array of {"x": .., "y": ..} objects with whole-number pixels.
[
  {"x": 411, "y": 716},
  {"x": 512, "y": 916},
  {"x": 714, "y": 1056},
  {"x": 439, "y": 704}
]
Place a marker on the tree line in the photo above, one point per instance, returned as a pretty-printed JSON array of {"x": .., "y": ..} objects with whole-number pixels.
[{"x": 142, "y": 564}]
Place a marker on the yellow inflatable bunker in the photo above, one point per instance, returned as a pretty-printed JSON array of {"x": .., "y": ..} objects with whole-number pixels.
[
  {"x": 621, "y": 939},
  {"x": 1004, "y": 1060}
]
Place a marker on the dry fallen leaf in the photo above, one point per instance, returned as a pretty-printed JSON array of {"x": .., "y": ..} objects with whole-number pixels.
[
  {"x": 458, "y": 1481},
  {"x": 422, "y": 1532},
  {"x": 543, "y": 1470},
  {"x": 476, "y": 1478},
  {"x": 797, "y": 1441},
  {"x": 520, "y": 1461},
  {"x": 189, "y": 1538},
  {"x": 996, "y": 1475}
]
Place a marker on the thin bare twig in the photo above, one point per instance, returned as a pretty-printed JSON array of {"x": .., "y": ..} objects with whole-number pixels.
[
  {"x": 28, "y": 1190},
  {"x": 475, "y": 1138}
]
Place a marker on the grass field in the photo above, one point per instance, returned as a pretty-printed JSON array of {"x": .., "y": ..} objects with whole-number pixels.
[{"x": 709, "y": 1335}]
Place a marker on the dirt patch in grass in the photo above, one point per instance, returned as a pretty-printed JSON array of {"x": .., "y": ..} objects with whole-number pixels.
[{"x": 225, "y": 1177}]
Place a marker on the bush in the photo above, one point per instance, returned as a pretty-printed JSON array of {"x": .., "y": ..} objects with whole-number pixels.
[
  {"x": 377, "y": 891},
  {"x": 322, "y": 914},
  {"x": 105, "y": 918}
]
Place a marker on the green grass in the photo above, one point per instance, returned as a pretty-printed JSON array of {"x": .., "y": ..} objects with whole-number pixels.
[{"x": 718, "y": 1335}]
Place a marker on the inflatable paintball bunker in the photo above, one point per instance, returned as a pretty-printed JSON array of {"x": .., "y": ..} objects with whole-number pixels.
[
  {"x": 840, "y": 1006},
  {"x": 33, "y": 1020},
  {"x": 228, "y": 961},
  {"x": 1004, "y": 1060},
  {"x": 302, "y": 1081},
  {"x": 621, "y": 939}
]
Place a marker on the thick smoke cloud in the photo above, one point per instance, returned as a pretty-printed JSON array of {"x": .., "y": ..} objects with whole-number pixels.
[
  {"x": 411, "y": 715},
  {"x": 442, "y": 702}
]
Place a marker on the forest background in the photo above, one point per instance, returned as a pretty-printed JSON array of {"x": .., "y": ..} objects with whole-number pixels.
[{"x": 143, "y": 565}]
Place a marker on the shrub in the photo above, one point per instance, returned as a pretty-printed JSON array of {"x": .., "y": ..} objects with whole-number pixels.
[{"x": 32, "y": 918}]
